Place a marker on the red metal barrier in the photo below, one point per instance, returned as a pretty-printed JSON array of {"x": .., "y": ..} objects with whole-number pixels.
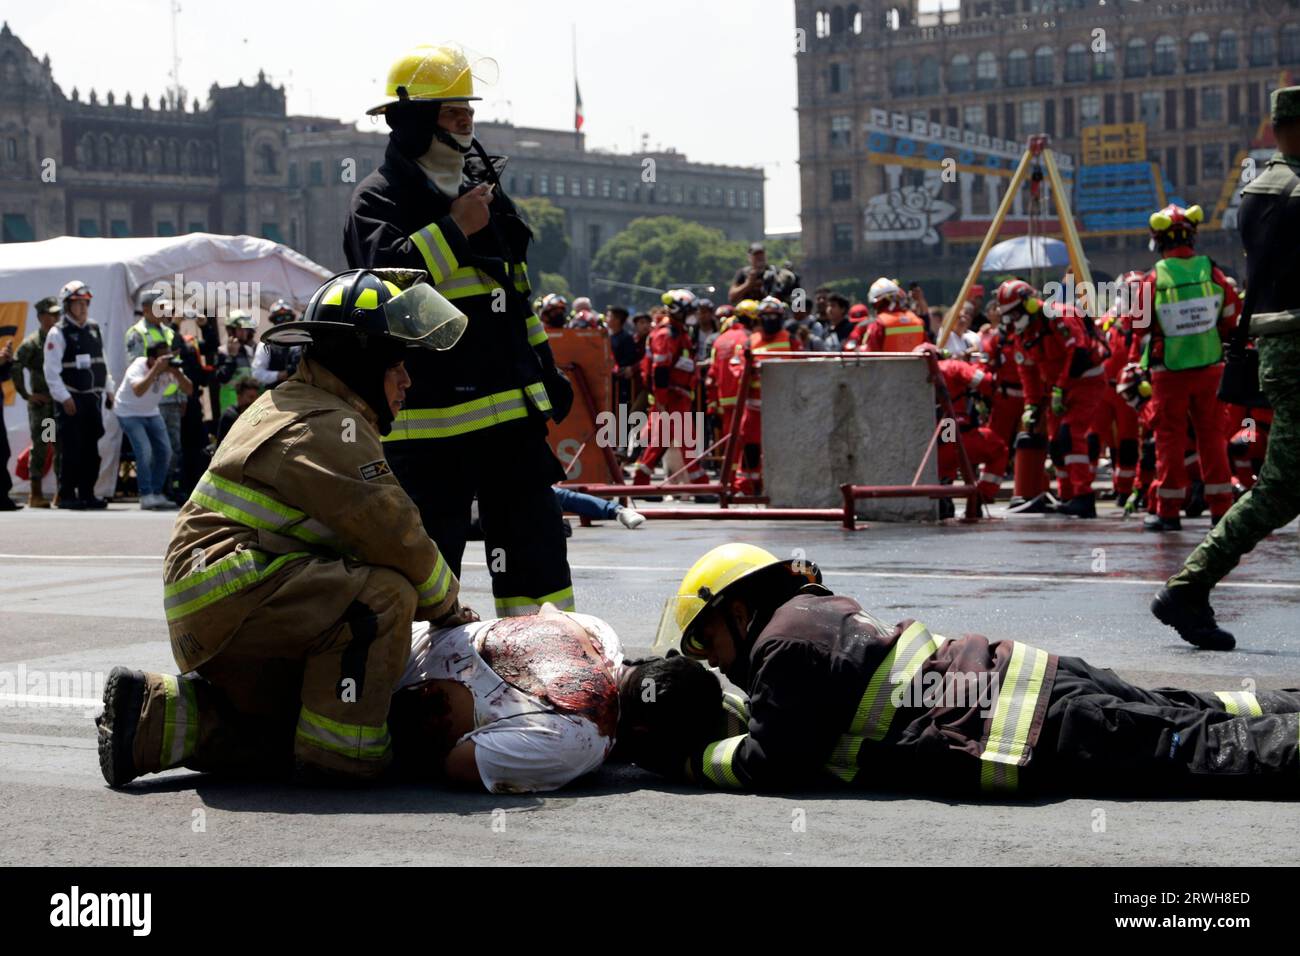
[{"x": 849, "y": 492}]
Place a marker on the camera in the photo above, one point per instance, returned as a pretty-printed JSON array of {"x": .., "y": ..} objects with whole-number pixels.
[{"x": 175, "y": 362}]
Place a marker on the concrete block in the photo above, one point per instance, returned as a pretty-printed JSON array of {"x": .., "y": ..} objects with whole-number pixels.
[{"x": 865, "y": 420}]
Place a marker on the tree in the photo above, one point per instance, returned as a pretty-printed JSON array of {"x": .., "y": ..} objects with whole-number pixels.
[
  {"x": 661, "y": 252},
  {"x": 550, "y": 244},
  {"x": 544, "y": 283}
]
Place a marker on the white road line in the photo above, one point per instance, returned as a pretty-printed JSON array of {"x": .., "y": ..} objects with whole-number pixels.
[
  {"x": 38, "y": 740},
  {"x": 42, "y": 700},
  {"x": 953, "y": 576},
  {"x": 906, "y": 575}
]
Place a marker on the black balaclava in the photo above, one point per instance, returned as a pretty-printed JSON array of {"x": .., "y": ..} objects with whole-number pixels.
[
  {"x": 361, "y": 368},
  {"x": 413, "y": 124}
]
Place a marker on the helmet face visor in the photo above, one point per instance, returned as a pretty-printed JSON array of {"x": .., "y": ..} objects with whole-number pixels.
[
  {"x": 420, "y": 316},
  {"x": 679, "y": 612}
]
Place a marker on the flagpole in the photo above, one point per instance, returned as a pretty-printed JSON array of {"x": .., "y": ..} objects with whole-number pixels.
[{"x": 577, "y": 131}]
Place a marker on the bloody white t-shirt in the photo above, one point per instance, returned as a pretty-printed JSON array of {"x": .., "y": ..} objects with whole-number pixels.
[{"x": 522, "y": 743}]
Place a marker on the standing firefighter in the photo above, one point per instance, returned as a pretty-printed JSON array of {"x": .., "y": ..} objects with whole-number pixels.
[
  {"x": 836, "y": 694},
  {"x": 1270, "y": 232},
  {"x": 298, "y": 564},
  {"x": 669, "y": 369},
  {"x": 1064, "y": 363},
  {"x": 475, "y": 420},
  {"x": 1194, "y": 309}
]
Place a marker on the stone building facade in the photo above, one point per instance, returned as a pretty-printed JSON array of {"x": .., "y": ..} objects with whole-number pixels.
[
  {"x": 1151, "y": 101},
  {"x": 239, "y": 164}
]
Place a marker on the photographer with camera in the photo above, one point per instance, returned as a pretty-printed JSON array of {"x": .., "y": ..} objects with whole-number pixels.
[{"x": 136, "y": 403}]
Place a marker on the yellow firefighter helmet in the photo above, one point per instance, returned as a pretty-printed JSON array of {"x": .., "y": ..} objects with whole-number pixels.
[
  {"x": 435, "y": 74},
  {"x": 708, "y": 580}
]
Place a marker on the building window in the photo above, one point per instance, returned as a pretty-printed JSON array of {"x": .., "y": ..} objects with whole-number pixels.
[
  {"x": 1288, "y": 48},
  {"x": 1166, "y": 60},
  {"x": 1150, "y": 108},
  {"x": 1103, "y": 65},
  {"x": 1089, "y": 110},
  {"x": 1198, "y": 53},
  {"x": 731, "y": 199},
  {"x": 959, "y": 74},
  {"x": 841, "y": 184},
  {"x": 11, "y": 149},
  {"x": 575, "y": 186},
  {"x": 677, "y": 195},
  {"x": 559, "y": 185},
  {"x": 266, "y": 164},
  {"x": 593, "y": 240},
  {"x": 293, "y": 174},
  {"x": 1076, "y": 63},
  {"x": 929, "y": 82},
  {"x": 1261, "y": 47},
  {"x": 1031, "y": 117},
  {"x": 621, "y": 191},
  {"x": 16, "y": 228},
  {"x": 605, "y": 187},
  {"x": 973, "y": 119},
  {"x": 121, "y": 229},
  {"x": 544, "y": 184},
  {"x": 165, "y": 228},
  {"x": 758, "y": 199},
  {"x": 1225, "y": 55},
  {"x": 1135, "y": 58},
  {"x": 1212, "y": 168},
  {"x": 744, "y": 199},
  {"x": 591, "y": 185},
  {"x": 1189, "y": 167},
  {"x": 1044, "y": 66},
  {"x": 1212, "y": 104},
  {"x": 200, "y": 227},
  {"x": 904, "y": 78},
  {"x": 835, "y": 78},
  {"x": 316, "y": 173},
  {"x": 841, "y": 131},
  {"x": 1017, "y": 68},
  {"x": 528, "y": 184},
  {"x": 89, "y": 228},
  {"x": 986, "y": 71},
  {"x": 842, "y": 238}
]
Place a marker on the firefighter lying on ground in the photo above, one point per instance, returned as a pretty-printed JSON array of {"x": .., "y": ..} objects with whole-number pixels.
[{"x": 835, "y": 693}]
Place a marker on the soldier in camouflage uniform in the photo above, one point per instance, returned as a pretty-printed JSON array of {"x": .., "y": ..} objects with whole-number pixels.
[
  {"x": 40, "y": 406},
  {"x": 1270, "y": 230}
]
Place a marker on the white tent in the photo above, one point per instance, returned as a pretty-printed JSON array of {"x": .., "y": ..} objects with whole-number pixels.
[{"x": 205, "y": 272}]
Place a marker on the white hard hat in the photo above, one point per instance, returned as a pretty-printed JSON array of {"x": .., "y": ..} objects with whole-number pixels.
[{"x": 883, "y": 288}]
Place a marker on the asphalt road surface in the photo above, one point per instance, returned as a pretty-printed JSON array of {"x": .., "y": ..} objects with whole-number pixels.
[{"x": 80, "y": 593}]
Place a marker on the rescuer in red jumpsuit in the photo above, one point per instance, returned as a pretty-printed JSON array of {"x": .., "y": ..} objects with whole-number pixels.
[
  {"x": 771, "y": 336},
  {"x": 669, "y": 370},
  {"x": 966, "y": 381},
  {"x": 1066, "y": 370},
  {"x": 1116, "y": 424}
]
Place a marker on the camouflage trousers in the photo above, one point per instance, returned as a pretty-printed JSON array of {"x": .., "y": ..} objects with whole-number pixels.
[
  {"x": 1275, "y": 499},
  {"x": 37, "y": 416}
]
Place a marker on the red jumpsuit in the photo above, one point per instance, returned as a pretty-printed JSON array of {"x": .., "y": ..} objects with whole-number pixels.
[
  {"x": 1062, "y": 351},
  {"x": 725, "y": 368},
  {"x": 983, "y": 447},
  {"x": 749, "y": 474},
  {"x": 1116, "y": 424},
  {"x": 669, "y": 371},
  {"x": 1248, "y": 429},
  {"x": 1176, "y": 395},
  {"x": 1008, "y": 393}
]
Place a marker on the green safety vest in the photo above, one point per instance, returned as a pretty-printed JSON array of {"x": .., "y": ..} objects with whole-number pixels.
[
  {"x": 152, "y": 334},
  {"x": 1187, "y": 304}
]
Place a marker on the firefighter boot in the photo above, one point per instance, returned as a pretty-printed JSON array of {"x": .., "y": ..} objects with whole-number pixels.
[
  {"x": 1157, "y": 523},
  {"x": 1080, "y": 506},
  {"x": 37, "y": 500},
  {"x": 123, "y": 702},
  {"x": 1042, "y": 503},
  {"x": 1192, "y": 617},
  {"x": 1196, "y": 505}
]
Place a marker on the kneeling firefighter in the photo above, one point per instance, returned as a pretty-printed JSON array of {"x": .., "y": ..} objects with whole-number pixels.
[{"x": 298, "y": 564}]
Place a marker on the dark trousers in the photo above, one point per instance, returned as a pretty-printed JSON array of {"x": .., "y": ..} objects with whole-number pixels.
[
  {"x": 6, "y": 482},
  {"x": 510, "y": 468},
  {"x": 1102, "y": 732},
  {"x": 79, "y": 435}
]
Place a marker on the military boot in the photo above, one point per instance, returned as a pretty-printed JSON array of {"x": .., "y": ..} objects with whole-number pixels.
[{"x": 1192, "y": 617}]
